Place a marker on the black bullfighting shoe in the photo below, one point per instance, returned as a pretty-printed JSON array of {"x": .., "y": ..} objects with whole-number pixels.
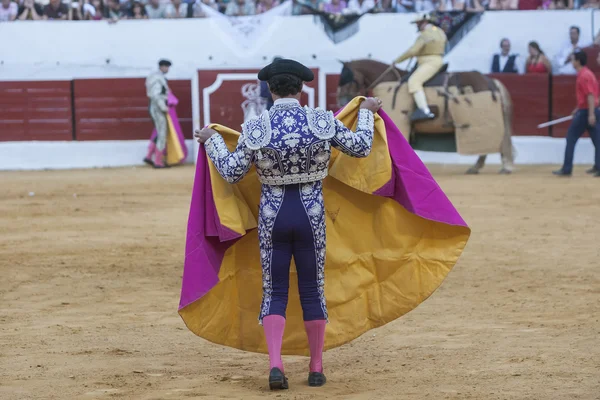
[
  {"x": 316, "y": 379},
  {"x": 277, "y": 380},
  {"x": 592, "y": 171}
]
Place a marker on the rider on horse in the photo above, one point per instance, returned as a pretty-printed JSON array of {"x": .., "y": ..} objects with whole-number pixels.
[{"x": 429, "y": 50}]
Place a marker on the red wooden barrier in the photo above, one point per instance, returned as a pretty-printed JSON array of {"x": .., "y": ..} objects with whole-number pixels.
[
  {"x": 35, "y": 111},
  {"x": 563, "y": 101},
  {"x": 117, "y": 109},
  {"x": 530, "y": 96},
  {"x": 331, "y": 84}
]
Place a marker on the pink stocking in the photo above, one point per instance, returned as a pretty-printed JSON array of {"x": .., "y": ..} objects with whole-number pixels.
[
  {"x": 274, "y": 326},
  {"x": 151, "y": 149},
  {"x": 315, "y": 330}
]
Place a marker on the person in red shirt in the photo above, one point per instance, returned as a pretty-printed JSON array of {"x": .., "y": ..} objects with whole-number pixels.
[{"x": 585, "y": 116}]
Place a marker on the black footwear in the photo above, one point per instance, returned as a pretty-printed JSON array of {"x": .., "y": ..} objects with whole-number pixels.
[
  {"x": 316, "y": 379},
  {"x": 560, "y": 172},
  {"x": 161, "y": 166},
  {"x": 419, "y": 115},
  {"x": 149, "y": 161},
  {"x": 277, "y": 380},
  {"x": 597, "y": 174},
  {"x": 592, "y": 170}
]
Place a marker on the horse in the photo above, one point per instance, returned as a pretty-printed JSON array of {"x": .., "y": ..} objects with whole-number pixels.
[{"x": 359, "y": 76}]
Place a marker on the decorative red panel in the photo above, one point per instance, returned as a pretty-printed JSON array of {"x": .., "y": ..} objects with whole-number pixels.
[
  {"x": 331, "y": 85},
  {"x": 563, "y": 101},
  {"x": 117, "y": 109},
  {"x": 530, "y": 97},
  {"x": 35, "y": 111},
  {"x": 225, "y": 103}
]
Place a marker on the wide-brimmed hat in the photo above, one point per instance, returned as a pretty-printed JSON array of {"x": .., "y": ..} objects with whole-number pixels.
[
  {"x": 421, "y": 17},
  {"x": 286, "y": 66}
]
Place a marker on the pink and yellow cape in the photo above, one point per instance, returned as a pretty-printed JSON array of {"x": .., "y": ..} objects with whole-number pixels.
[
  {"x": 392, "y": 237},
  {"x": 176, "y": 150}
]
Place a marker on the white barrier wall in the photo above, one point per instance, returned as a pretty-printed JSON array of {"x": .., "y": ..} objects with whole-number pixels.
[
  {"x": 95, "y": 49},
  {"x": 103, "y": 154}
]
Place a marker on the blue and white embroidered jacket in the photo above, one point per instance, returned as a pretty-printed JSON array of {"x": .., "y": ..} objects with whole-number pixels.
[{"x": 290, "y": 144}]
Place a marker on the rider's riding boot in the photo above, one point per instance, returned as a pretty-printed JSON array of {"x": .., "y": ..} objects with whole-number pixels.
[{"x": 423, "y": 111}]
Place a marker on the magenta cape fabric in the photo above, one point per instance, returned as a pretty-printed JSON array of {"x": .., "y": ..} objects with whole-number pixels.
[
  {"x": 172, "y": 102},
  {"x": 411, "y": 185}
]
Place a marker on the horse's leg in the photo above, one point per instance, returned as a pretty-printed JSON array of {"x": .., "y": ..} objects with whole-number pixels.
[
  {"x": 480, "y": 163},
  {"x": 506, "y": 148}
]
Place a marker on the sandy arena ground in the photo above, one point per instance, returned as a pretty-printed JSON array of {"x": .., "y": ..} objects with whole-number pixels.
[{"x": 91, "y": 268}]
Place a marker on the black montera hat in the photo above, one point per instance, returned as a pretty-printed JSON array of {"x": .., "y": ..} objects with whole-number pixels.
[
  {"x": 285, "y": 66},
  {"x": 165, "y": 63}
]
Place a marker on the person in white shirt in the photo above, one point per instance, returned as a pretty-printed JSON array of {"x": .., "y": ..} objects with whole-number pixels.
[
  {"x": 562, "y": 60},
  {"x": 359, "y": 6},
  {"x": 504, "y": 62},
  {"x": 176, "y": 9},
  {"x": 8, "y": 11}
]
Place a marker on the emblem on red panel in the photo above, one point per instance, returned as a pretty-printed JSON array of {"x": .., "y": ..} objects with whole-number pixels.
[{"x": 254, "y": 105}]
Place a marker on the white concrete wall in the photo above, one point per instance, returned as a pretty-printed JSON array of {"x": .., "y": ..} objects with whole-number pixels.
[
  {"x": 71, "y": 155},
  {"x": 132, "y": 48}
]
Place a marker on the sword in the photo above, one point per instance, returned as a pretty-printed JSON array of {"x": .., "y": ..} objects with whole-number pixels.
[{"x": 556, "y": 121}]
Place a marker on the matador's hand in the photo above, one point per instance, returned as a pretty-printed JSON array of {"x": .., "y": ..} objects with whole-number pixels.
[
  {"x": 204, "y": 134},
  {"x": 371, "y": 103}
]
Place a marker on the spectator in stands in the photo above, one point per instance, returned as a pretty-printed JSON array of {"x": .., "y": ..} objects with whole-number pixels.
[
  {"x": 8, "y": 11},
  {"x": 300, "y": 9},
  {"x": 530, "y": 4},
  {"x": 589, "y": 4},
  {"x": 138, "y": 11},
  {"x": 78, "y": 10},
  {"x": 266, "y": 5},
  {"x": 504, "y": 62},
  {"x": 98, "y": 11},
  {"x": 155, "y": 10},
  {"x": 240, "y": 8},
  {"x": 176, "y": 9},
  {"x": 56, "y": 10},
  {"x": 335, "y": 7},
  {"x": 199, "y": 9},
  {"x": 451, "y": 5},
  {"x": 473, "y": 6},
  {"x": 562, "y": 60},
  {"x": 359, "y": 6},
  {"x": 504, "y": 4},
  {"x": 426, "y": 6},
  {"x": 389, "y": 6},
  {"x": 562, "y": 4},
  {"x": 114, "y": 12},
  {"x": 537, "y": 62},
  {"x": 30, "y": 11}
]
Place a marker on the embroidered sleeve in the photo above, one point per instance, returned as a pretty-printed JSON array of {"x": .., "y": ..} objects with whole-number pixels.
[
  {"x": 355, "y": 144},
  {"x": 231, "y": 166},
  {"x": 321, "y": 122},
  {"x": 257, "y": 131}
]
